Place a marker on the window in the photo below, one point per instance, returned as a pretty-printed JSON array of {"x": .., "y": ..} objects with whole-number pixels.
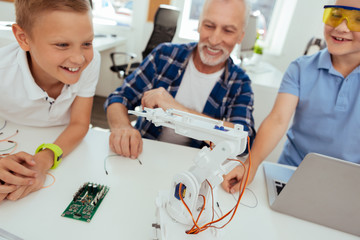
[
  {"x": 279, "y": 26},
  {"x": 265, "y": 10},
  {"x": 190, "y": 19},
  {"x": 192, "y": 10},
  {"x": 113, "y": 12}
]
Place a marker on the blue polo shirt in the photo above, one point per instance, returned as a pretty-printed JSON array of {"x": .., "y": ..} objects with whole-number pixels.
[{"x": 327, "y": 117}]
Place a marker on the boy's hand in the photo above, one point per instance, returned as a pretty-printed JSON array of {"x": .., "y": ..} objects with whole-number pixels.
[
  {"x": 16, "y": 164},
  {"x": 44, "y": 160},
  {"x": 14, "y": 173},
  {"x": 232, "y": 180},
  {"x": 126, "y": 141},
  {"x": 5, "y": 189},
  {"x": 231, "y": 183}
]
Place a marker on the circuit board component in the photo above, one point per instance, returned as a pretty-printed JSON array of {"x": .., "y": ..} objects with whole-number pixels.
[{"x": 86, "y": 201}]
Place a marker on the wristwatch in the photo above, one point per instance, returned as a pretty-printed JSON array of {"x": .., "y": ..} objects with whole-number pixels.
[{"x": 58, "y": 152}]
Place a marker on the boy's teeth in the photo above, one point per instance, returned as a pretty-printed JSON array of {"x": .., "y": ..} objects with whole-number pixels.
[
  {"x": 339, "y": 39},
  {"x": 73, "y": 69}
]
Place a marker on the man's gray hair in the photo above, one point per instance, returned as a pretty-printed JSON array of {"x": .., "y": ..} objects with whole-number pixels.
[{"x": 247, "y": 6}]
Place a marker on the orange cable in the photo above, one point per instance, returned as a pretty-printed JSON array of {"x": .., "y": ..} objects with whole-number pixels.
[
  {"x": 13, "y": 148},
  {"x": 197, "y": 220},
  {"x": 5, "y": 139},
  {"x": 182, "y": 200},
  {"x": 245, "y": 184},
  {"x": 241, "y": 189},
  {"x": 50, "y": 183}
]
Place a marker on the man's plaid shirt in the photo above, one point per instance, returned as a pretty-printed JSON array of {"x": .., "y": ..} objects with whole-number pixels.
[{"x": 230, "y": 100}]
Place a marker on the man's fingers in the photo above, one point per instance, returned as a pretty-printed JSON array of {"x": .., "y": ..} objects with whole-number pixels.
[
  {"x": 115, "y": 143},
  {"x": 112, "y": 142},
  {"x": 125, "y": 145},
  {"x": 126, "y": 142},
  {"x": 149, "y": 99},
  {"x": 135, "y": 146}
]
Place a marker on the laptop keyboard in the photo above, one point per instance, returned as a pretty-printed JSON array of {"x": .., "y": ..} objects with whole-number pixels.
[{"x": 279, "y": 186}]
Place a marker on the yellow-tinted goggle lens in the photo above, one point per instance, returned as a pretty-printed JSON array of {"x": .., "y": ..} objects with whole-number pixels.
[{"x": 333, "y": 16}]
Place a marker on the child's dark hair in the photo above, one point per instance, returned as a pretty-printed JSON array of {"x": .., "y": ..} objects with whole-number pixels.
[{"x": 28, "y": 10}]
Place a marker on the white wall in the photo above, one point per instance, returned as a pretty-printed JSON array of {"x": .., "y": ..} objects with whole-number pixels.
[
  {"x": 7, "y": 11},
  {"x": 305, "y": 24}
]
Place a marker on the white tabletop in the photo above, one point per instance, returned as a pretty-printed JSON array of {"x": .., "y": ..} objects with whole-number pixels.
[
  {"x": 265, "y": 74},
  {"x": 103, "y": 42},
  {"x": 128, "y": 209}
]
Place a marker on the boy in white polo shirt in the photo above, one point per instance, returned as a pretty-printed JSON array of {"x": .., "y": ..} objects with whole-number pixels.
[{"x": 47, "y": 79}]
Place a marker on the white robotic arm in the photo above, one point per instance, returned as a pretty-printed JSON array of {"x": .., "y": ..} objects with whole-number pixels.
[
  {"x": 229, "y": 142},
  {"x": 209, "y": 163}
]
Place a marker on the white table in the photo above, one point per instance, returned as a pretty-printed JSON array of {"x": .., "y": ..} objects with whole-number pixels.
[{"x": 128, "y": 210}]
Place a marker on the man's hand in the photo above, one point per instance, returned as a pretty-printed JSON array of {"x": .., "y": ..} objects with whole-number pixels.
[
  {"x": 126, "y": 141},
  {"x": 160, "y": 98}
]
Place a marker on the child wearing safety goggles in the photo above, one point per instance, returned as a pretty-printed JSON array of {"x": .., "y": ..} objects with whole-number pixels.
[{"x": 321, "y": 91}]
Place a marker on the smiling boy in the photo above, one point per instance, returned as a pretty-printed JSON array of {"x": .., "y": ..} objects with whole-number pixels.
[
  {"x": 48, "y": 78},
  {"x": 322, "y": 92}
]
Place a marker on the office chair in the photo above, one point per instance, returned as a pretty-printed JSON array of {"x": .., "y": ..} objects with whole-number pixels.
[
  {"x": 314, "y": 45},
  {"x": 165, "y": 23}
]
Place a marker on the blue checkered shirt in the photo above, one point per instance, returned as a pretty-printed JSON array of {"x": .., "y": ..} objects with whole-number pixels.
[{"x": 230, "y": 100}]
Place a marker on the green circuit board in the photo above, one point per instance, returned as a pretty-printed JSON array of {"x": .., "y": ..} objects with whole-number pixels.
[{"x": 86, "y": 201}]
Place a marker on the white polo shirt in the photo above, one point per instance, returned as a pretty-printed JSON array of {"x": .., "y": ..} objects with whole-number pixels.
[{"x": 22, "y": 101}]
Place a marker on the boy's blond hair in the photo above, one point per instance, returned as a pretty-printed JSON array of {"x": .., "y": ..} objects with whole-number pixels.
[{"x": 27, "y": 10}]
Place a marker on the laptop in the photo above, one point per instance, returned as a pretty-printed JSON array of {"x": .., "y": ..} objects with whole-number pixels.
[{"x": 323, "y": 190}]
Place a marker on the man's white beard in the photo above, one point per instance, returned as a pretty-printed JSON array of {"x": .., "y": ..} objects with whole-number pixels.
[{"x": 211, "y": 60}]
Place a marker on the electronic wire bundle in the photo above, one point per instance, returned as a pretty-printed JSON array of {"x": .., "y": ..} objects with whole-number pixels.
[
  {"x": 86, "y": 201},
  {"x": 196, "y": 228}
]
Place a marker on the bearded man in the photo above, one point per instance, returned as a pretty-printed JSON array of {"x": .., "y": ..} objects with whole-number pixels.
[{"x": 199, "y": 78}]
